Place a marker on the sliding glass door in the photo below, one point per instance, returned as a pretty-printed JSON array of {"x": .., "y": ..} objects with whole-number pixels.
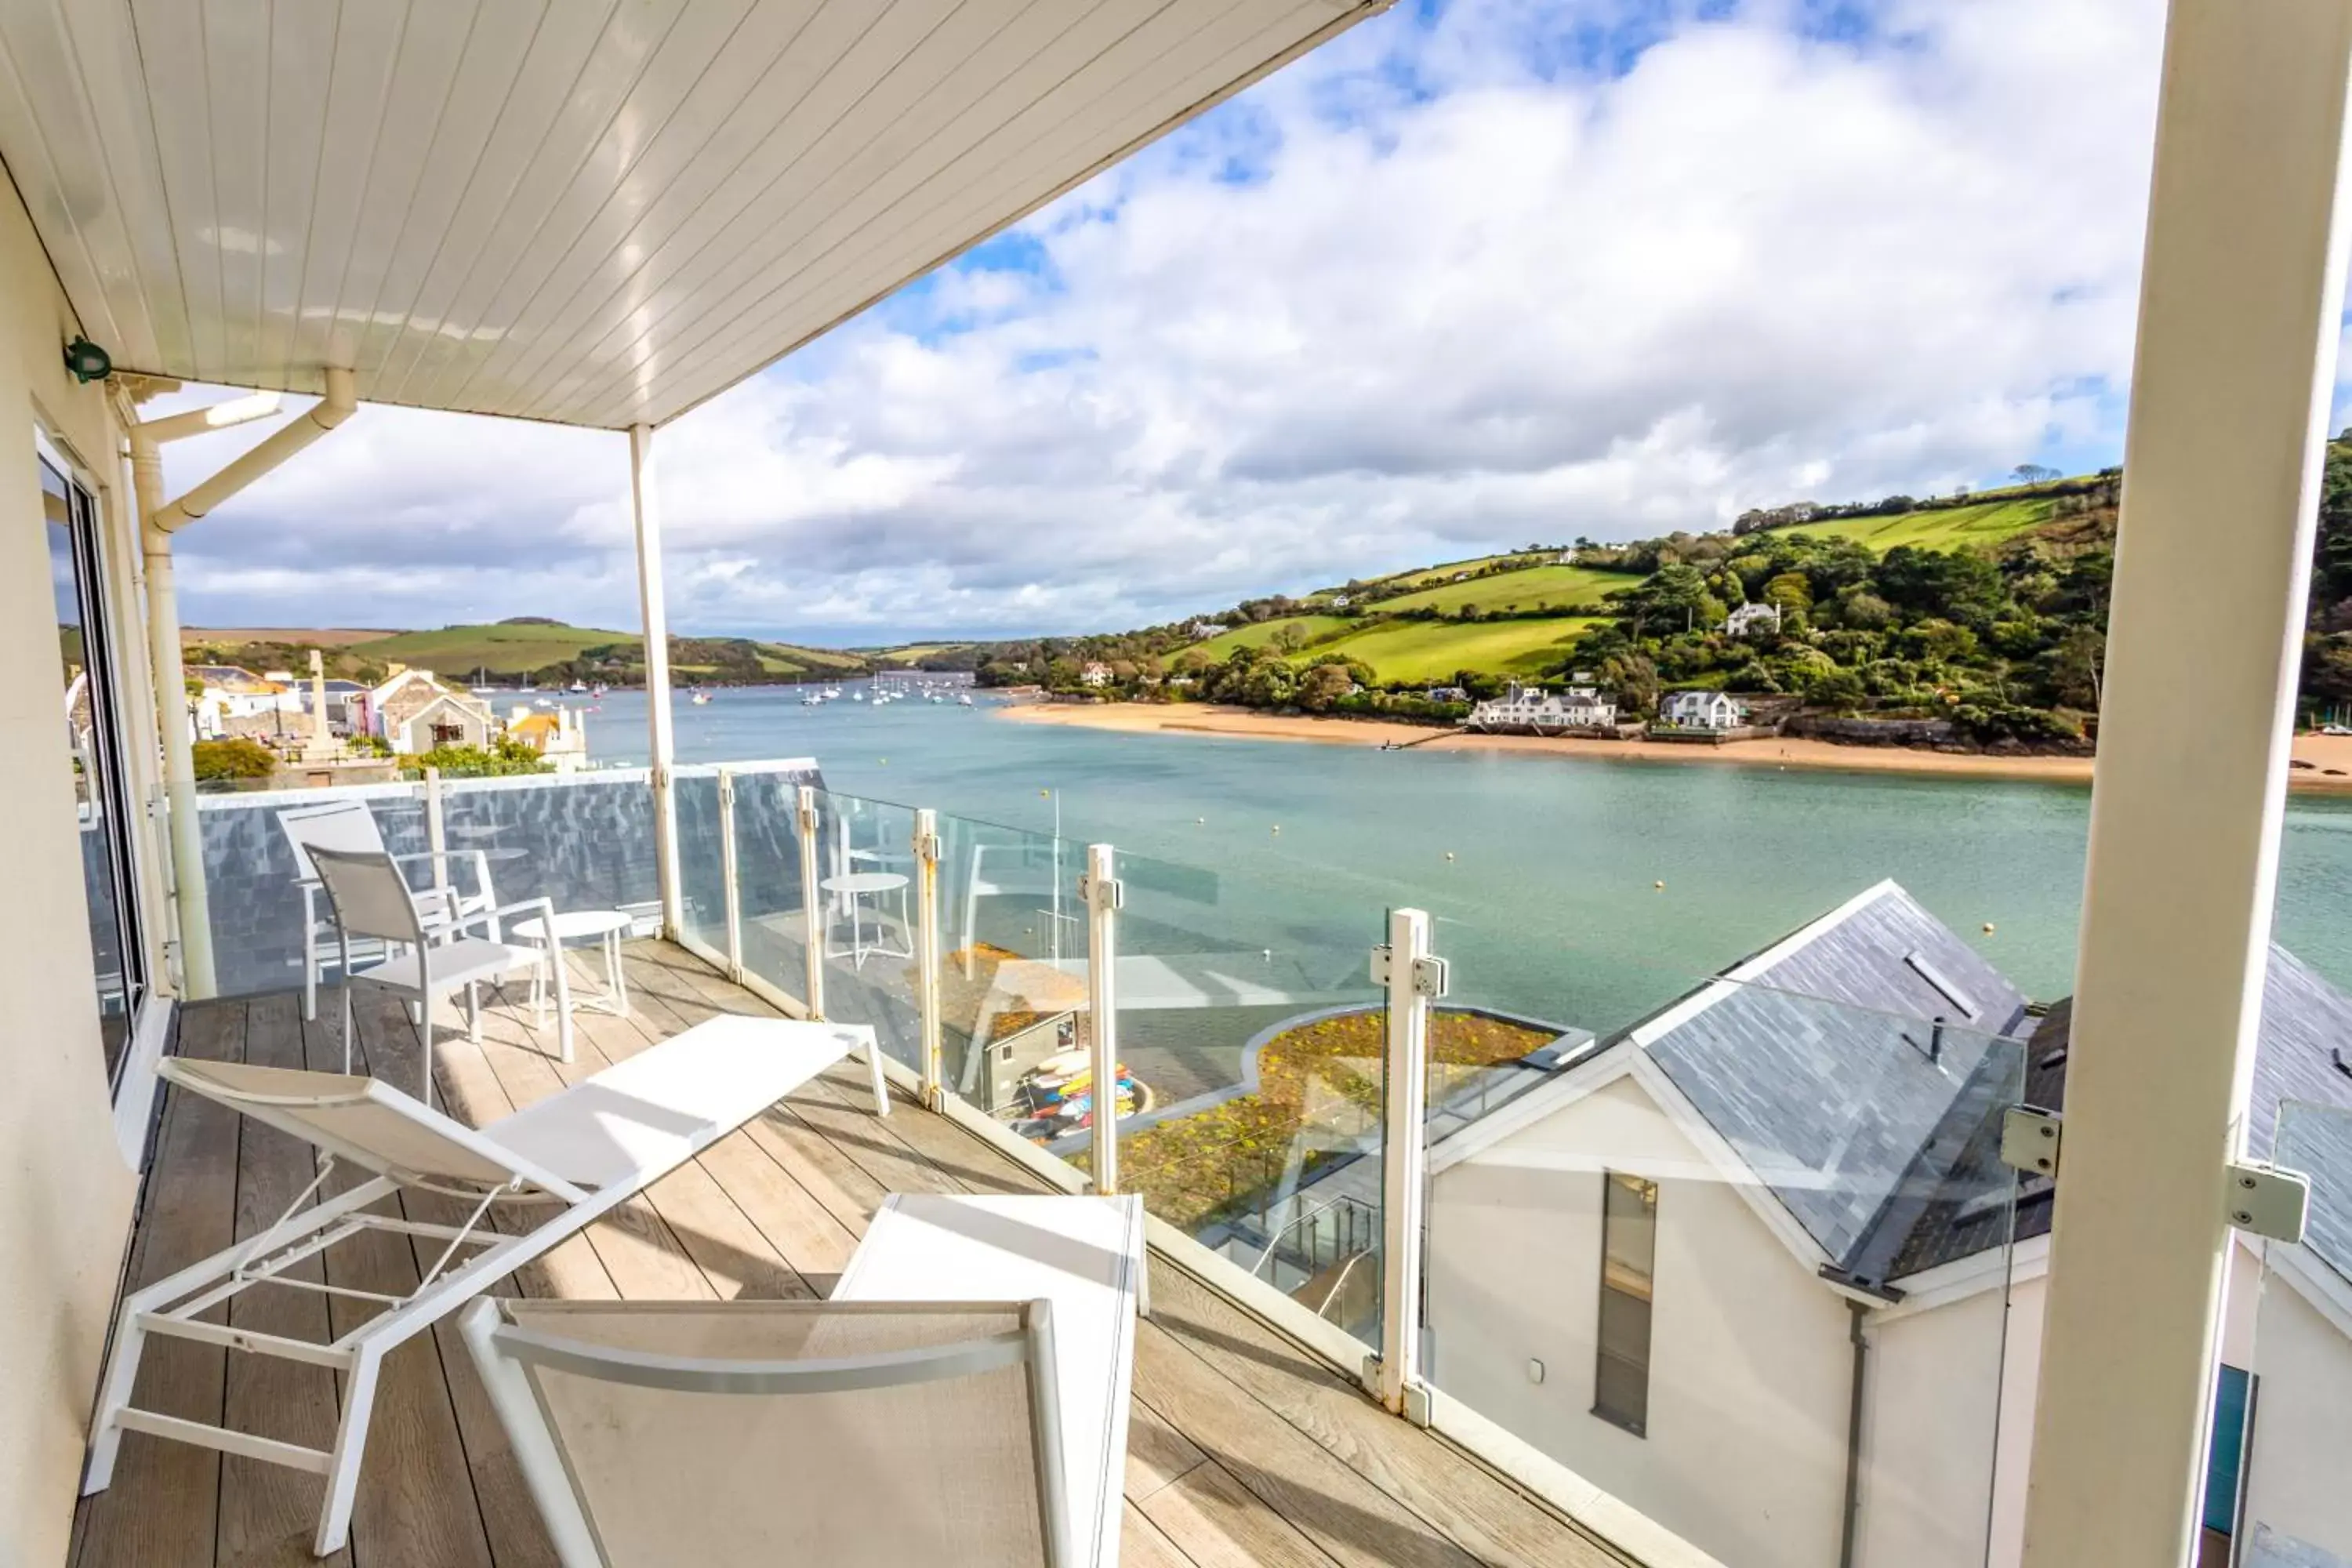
[{"x": 92, "y": 711}]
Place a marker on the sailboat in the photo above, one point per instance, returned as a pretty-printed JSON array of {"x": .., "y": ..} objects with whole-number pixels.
[{"x": 700, "y": 697}]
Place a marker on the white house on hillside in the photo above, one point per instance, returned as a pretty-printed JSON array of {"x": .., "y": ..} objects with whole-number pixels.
[
  {"x": 1545, "y": 712},
  {"x": 1752, "y": 617},
  {"x": 414, "y": 713},
  {"x": 1702, "y": 710},
  {"x": 1750, "y": 1259},
  {"x": 1094, "y": 673}
]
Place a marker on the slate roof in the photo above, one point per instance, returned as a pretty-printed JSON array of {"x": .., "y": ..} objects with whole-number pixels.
[
  {"x": 2300, "y": 1116},
  {"x": 1841, "y": 1058}
]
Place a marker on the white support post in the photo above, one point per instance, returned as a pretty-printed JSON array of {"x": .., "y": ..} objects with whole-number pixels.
[
  {"x": 2238, "y": 325},
  {"x": 927, "y": 953},
  {"x": 644, "y": 501},
  {"x": 1100, "y": 893},
  {"x": 1412, "y": 979},
  {"x": 436, "y": 836},
  {"x": 727, "y": 876},
  {"x": 804, "y": 816}
]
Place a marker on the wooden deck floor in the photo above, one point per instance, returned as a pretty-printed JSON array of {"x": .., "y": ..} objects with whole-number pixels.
[{"x": 1243, "y": 1449}]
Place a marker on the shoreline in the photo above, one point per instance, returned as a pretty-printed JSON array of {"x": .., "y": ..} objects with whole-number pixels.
[{"x": 1772, "y": 751}]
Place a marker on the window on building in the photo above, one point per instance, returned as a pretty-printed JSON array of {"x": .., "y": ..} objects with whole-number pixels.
[
  {"x": 448, "y": 734},
  {"x": 1629, "y": 1250}
]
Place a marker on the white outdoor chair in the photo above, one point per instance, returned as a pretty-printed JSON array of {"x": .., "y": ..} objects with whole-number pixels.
[
  {"x": 371, "y": 899},
  {"x": 349, "y": 826},
  {"x": 962, "y": 1399},
  {"x": 550, "y": 1171}
]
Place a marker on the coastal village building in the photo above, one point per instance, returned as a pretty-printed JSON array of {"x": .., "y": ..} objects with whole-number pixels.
[
  {"x": 1204, "y": 630},
  {"x": 236, "y": 701},
  {"x": 1094, "y": 673},
  {"x": 414, "y": 713},
  {"x": 1801, "y": 1173},
  {"x": 1702, "y": 710},
  {"x": 1545, "y": 712},
  {"x": 1753, "y": 617},
  {"x": 560, "y": 736}
]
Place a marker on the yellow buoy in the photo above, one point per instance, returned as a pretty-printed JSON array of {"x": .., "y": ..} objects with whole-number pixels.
[
  {"x": 1278, "y": 828},
  {"x": 1449, "y": 854},
  {"x": 1660, "y": 886},
  {"x": 1988, "y": 928}
]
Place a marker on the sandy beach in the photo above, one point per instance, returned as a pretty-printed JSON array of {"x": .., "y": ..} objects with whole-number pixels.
[{"x": 2323, "y": 751}]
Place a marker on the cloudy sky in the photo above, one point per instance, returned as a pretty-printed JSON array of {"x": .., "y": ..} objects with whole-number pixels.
[{"x": 1479, "y": 273}]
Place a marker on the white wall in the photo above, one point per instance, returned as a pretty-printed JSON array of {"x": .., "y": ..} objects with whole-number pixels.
[
  {"x": 1745, "y": 1453},
  {"x": 64, "y": 1193},
  {"x": 1935, "y": 1411},
  {"x": 2299, "y": 1472}
]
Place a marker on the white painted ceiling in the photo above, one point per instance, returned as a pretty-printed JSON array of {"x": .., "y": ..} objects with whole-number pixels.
[{"x": 596, "y": 212}]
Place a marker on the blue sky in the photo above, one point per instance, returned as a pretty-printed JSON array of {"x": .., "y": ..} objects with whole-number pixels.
[{"x": 1475, "y": 274}]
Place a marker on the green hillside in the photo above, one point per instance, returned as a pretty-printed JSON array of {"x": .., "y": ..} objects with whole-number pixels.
[
  {"x": 1442, "y": 573},
  {"x": 507, "y": 648},
  {"x": 1431, "y": 652},
  {"x": 1529, "y": 588},
  {"x": 1262, "y": 633},
  {"x": 513, "y": 648},
  {"x": 1986, "y": 523}
]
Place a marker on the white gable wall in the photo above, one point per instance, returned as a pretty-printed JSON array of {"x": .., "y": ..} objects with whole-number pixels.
[
  {"x": 1750, "y": 1364},
  {"x": 2299, "y": 1470}
]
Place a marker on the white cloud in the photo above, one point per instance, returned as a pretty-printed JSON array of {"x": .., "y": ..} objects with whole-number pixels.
[{"x": 1512, "y": 301}]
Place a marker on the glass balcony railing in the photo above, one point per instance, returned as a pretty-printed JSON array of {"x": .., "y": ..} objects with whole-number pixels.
[
  {"x": 2275, "y": 1485},
  {"x": 1738, "y": 1249}
]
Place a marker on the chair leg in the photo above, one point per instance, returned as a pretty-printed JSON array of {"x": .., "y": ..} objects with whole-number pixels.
[
  {"x": 874, "y": 1071},
  {"x": 473, "y": 1013},
  {"x": 347, "y": 1023},
  {"x": 351, "y": 1440},
  {"x": 562, "y": 1007},
  {"x": 114, "y": 1394},
  {"x": 310, "y": 969},
  {"x": 616, "y": 971}
]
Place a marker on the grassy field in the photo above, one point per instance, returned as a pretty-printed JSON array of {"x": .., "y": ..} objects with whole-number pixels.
[
  {"x": 1259, "y": 635},
  {"x": 330, "y": 636},
  {"x": 1442, "y": 573},
  {"x": 1431, "y": 651},
  {"x": 913, "y": 651},
  {"x": 1982, "y": 523},
  {"x": 500, "y": 649},
  {"x": 516, "y": 649},
  {"x": 1530, "y": 588}
]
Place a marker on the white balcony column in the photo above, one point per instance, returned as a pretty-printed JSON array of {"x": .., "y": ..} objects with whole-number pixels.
[
  {"x": 2239, "y": 307},
  {"x": 644, "y": 501}
]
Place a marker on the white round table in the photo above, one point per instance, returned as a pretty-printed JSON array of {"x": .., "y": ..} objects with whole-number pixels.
[
  {"x": 853, "y": 888},
  {"x": 606, "y": 927}
]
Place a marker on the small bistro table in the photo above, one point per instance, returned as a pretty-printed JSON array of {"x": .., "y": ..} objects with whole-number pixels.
[
  {"x": 853, "y": 888},
  {"x": 607, "y": 927}
]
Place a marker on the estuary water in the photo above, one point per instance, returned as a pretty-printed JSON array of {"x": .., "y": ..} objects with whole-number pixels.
[{"x": 1544, "y": 873}]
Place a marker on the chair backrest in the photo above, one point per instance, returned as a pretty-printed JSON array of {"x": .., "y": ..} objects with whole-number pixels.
[
  {"x": 347, "y": 825},
  {"x": 861, "y": 1433},
  {"x": 363, "y": 1121},
  {"x": 369, "y": 895}
]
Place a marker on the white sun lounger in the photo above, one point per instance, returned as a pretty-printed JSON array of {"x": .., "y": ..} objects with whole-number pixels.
[
  {"x": 961, "y": 1399},
  {"x": 569, "y": 1158}
]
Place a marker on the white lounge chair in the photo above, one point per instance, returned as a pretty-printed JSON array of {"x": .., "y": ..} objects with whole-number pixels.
[
  {"x": 350, "y": 827},
  {"x": 566, "y": 1160},
  {"x": 962, "y": 1399},
  {"x": 371, "y": 899}
]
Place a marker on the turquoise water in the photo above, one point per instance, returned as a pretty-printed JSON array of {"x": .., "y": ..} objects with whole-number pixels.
[{"x": 1540, "y": 870}]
